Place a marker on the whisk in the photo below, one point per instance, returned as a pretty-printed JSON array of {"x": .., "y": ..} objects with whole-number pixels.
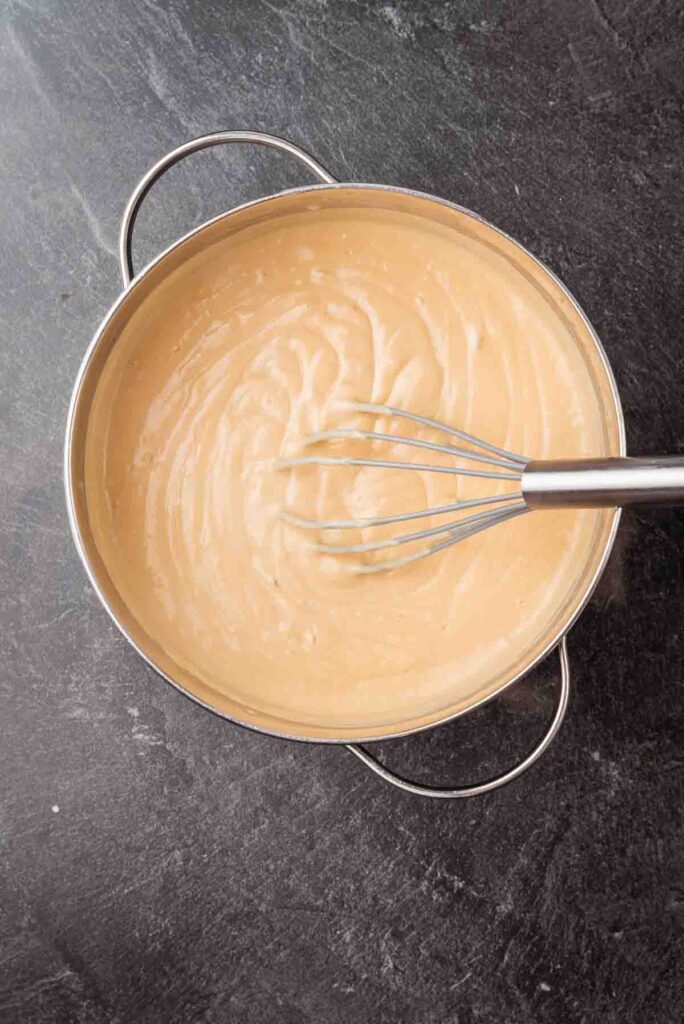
[{"x": 539, "y": 484}]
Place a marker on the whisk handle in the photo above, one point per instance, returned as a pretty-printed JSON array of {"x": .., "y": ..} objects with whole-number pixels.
[{"x": 604, "y": 483}]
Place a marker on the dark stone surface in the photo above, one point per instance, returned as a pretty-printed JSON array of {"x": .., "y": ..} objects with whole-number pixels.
[{"x": 159, "y": 865}]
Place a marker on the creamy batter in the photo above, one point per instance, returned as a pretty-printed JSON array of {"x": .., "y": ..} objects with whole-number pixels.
[{"x": 244, "y": 351}]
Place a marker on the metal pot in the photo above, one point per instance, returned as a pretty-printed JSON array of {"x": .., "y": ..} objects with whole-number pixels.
[{"x": 137, "y": 289}]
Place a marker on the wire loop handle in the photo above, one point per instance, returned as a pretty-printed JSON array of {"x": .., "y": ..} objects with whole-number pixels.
[
  {"x": 460, "y": 792},
  {"x": 194, "y": 146}
]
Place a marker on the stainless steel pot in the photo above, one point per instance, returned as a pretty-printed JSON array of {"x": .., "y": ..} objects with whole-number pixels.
[{"x": 136, "y": 290}]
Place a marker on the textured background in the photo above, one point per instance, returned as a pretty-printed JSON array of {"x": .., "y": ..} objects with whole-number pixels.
[{"x": 159, "y": 865}]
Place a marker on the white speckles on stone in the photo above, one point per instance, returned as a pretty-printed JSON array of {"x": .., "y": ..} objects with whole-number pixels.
[
  {"x": 55, "y": 808},
  {"x": 506, "y": 905},
  {"x": 613, "y": 777},
  {"x": 142, "y": 733},
  {"x": 544, "y": 987},
  {"x": 158, "y": 81},
  {"x": 461, "y": 981},
  {"x": 595, "y": 755},
  {"x": 78, "y": 712},
  {"x": 93, "y": 222},
  {"x": 395, "y": 18}
]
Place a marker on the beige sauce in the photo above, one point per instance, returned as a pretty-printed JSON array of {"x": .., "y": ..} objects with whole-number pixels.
[{"x": 242, "y": 353}]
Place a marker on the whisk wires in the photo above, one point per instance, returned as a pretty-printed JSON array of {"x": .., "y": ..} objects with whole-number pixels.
[{"x": 491, "y": 461}]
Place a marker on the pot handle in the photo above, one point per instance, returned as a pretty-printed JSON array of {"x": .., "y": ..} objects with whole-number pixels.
[
  {"x": 203, "y": 142},
  {"x": 500, "y": 780}
]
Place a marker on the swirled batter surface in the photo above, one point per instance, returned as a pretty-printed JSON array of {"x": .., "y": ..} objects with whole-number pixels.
[{"x": 245, "y": 350}]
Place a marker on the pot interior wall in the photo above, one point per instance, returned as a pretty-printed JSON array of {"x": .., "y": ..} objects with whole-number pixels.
[{"x": 141, "y": 297}]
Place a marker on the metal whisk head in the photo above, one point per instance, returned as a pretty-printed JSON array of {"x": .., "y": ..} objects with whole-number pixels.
[{"x": 483, "y": 460}]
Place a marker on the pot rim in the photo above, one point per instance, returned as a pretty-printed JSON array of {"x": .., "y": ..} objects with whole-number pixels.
[{"x": 69, "y": 440}]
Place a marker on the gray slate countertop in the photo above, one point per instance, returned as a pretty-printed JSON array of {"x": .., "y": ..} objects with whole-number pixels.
[{"x": 160, "y": 865}]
